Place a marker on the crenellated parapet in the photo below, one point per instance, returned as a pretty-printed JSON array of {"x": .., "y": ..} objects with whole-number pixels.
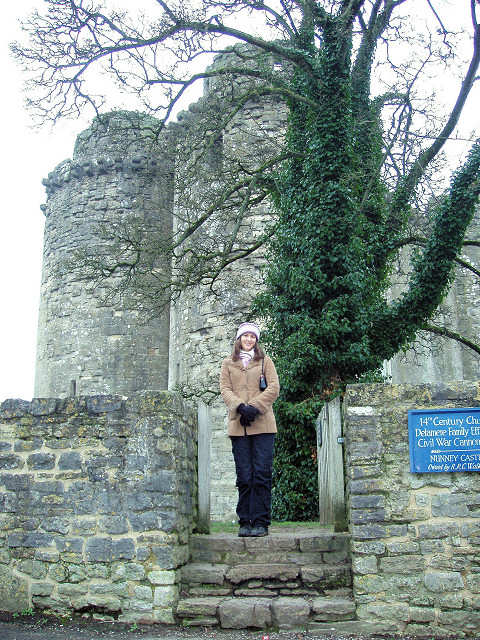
[{"x": 69, "y": 170}]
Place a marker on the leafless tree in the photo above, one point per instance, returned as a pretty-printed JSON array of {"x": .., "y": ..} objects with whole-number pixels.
[{"x": 81, "y": 54}]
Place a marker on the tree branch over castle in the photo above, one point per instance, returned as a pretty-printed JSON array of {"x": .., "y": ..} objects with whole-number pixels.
[{"x": 331, "y": 200}]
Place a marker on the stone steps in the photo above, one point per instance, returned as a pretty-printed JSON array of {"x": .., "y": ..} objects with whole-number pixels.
[
  {"x": 262, "y": 613},
  {"x": 317, "y": 546},
  {"x": 279, "y": 578},
  {"x": 286, "y": 580}
]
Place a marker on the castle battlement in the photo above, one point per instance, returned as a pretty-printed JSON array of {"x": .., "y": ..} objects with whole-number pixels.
[{"x": 70, "y": 170}]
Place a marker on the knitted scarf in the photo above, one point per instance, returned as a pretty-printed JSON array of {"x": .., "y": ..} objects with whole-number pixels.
[{"x": 246, "y": 356}]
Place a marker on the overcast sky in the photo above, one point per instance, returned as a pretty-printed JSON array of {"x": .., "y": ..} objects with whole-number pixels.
[{"x": 28, "y": 156}]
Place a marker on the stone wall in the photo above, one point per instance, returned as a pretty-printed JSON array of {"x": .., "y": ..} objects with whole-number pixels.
[
  {"x": 434, "y": 359},
  {"x": 97, "y": 503},
  {"x": 415, "y": 537}
]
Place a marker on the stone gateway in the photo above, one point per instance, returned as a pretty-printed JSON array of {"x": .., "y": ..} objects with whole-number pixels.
[
  {"x": 122, "y": 174},
  {"x": 98, "y": 490},
  {"x": 98, "y": 502}
]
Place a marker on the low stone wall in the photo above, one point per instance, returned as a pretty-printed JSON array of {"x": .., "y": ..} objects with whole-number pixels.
[
  {"x": 97, "y": 503},
  {"x": 415, "y": 537}
]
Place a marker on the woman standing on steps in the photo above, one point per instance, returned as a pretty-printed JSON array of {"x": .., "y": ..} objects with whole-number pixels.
[{"x": 249, "y": 387}]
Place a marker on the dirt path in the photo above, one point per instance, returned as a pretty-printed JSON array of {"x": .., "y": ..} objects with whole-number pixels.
[{"x": 41, "y": 628}]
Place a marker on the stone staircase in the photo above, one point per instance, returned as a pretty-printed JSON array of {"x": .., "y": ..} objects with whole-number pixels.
[{"x": 294, "y": 579}]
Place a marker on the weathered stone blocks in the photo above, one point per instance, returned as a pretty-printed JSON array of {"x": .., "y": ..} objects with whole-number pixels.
[
  {"x": 87, "y": 527},
  {"x": 441, "y": 581},
  {"x": 325, "y": 609},
  {"x": 204, "y": 573},
  {"x": 290, "y": 613},
  {"x": 70, "y": 461},
  {"x": 13, "y": 591},
  {"x": 365, "y": 565},
  {"x": 166, "y": 596},
  {"x": 283, "y": 572},
  {"x": 11, "y": 461},
  {"x": 402, "y": 565},
  {"x": 415, "y": 569},
  {"x": 236, "y": 613},
  {"x": 192, "y": 607}
]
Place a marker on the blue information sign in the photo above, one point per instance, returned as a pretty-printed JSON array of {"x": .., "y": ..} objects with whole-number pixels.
[{"x": 444, "y": 440}]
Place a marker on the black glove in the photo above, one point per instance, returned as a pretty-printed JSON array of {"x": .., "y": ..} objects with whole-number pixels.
[
  {"x": 248, "y": 412},
  {"x": 245, "y": 422},
  {"x": 247, "y": 415},
  {"x": 242, "y": 410}
]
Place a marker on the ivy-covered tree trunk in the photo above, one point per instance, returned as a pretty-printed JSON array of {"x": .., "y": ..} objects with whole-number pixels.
[{"x": 328, "y": 321}]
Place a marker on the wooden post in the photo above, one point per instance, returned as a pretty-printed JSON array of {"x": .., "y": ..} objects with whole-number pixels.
[
  {"x": 204, "y": 430},
  {"x": 330, "y": 466}
]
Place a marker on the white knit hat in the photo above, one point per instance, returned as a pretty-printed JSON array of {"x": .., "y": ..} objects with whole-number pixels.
[{"x": 246, "y": 327}]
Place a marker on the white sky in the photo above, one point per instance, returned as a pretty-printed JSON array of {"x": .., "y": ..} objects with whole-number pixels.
[{"x": 28, "y": 156}]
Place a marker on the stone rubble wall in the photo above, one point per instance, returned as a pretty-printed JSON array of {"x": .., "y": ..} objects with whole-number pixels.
[
  {"x": 415, "y": 537},
  {"x": 434, "y": 359},
  {"x": 98, "y": 498}
]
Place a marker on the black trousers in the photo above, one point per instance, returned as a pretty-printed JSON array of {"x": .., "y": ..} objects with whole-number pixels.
[{"x": 253, "y": 457}]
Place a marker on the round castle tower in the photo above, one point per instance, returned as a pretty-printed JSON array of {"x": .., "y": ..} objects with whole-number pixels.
[{"x": 119, "y": 172}]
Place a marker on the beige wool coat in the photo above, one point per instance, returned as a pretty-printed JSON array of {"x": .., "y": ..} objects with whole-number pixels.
[{"x": 239, "y": 385}]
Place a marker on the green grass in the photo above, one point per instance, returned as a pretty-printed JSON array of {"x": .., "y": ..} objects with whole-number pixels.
[
  {"x": 24, "y": 612},
  {"x": 232, "y": 527}
]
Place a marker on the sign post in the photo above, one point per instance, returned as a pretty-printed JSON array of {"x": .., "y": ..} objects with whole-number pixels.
[{"x": 444, "y": 440}]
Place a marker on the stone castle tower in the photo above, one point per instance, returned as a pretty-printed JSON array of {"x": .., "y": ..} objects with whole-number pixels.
[
  {"x": 121, "y": 174},
  {"x": 118, "y": 175}
]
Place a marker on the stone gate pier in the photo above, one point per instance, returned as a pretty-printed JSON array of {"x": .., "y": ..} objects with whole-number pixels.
[
  {"x": 415, "y": 537},
  {"x": 97, "y": 503}
]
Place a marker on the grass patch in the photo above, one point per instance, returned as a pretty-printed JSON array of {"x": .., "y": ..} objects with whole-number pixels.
[
  {"x": 223, "y": 527},
  {"x": 232, "y": 527}
]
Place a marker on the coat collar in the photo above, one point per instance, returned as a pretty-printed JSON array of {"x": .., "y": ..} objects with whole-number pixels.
[{"x": 239, "y": 365}]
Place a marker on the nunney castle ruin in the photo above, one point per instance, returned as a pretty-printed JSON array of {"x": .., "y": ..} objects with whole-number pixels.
[{"x": 99, "y": 478}]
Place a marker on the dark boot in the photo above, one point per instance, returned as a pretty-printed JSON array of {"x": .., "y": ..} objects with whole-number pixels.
[
  {"x": 258, "y": 531},
  {"x": 245, "y": 531}
]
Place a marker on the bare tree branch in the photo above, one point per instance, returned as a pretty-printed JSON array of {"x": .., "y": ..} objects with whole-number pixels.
[
  {"x": 422, "y": 242},
  {"x": 453, "y": 335},
  {"x": 411, "y": 180}
]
